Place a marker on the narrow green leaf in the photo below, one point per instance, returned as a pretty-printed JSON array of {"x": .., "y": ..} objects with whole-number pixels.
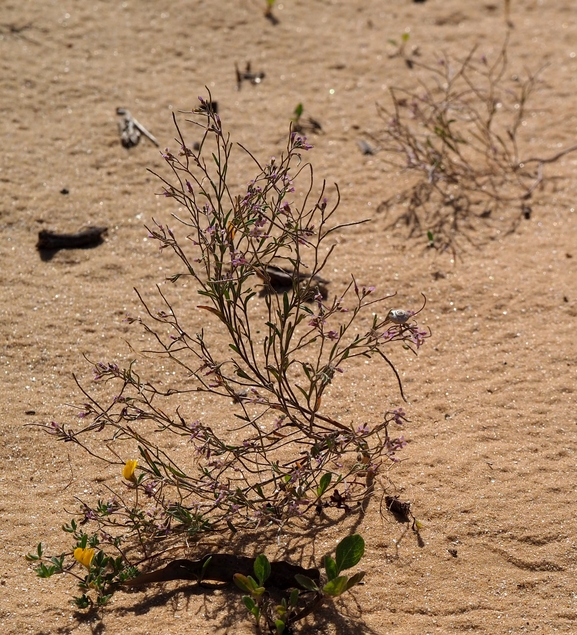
[
  {"x": 240, "y": 373},
  {"x": 285, "y": 306},
  {"x": 175, "y": 471},
  {"x": 258, "y": 490},
  {"x": 336, "y": 587},
  {"x": 273, "y": 328},
  {"x": 151, "y": 464},
  {"x": 274, "y": 372},
  {"x": 349, "y": 551},
  {"x": 204, "y": 567},
  {"x": 261, "y": 568},
  {"x": 303, "y": 392},
  {"x": 306, "y": 582}
]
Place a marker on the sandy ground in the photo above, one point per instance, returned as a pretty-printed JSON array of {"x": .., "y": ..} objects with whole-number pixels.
[{"x": 490, "y": 467}]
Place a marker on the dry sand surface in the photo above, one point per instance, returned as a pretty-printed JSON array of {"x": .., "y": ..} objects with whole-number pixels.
[{"x": 490, "y": 466}]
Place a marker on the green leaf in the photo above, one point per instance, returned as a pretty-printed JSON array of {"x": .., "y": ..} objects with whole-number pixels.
[
  {"x": 261, "y": 568},
  {"x": 279, "y": 626},
  {"x": 251, "y": 606},
  {"x": 151, "y": 464},
  {"x": 274, "y": 328},
  {"x": 248, "y": 602},
  {"x": 274, "y": 372},
  {"x": 349, "y": 552},
  {"x": 306, "y": 582},
  {"x": 303, "y": 392},
  {"x": 286, "y": 305},
  {"x": 103, "y": 599},
  {"x": 70, "y": 529},
  {"x": 82, "y": 602},
  {"x": 336, "y": 587},
  {"x": 258, "y": 490},
  {"x": 176, "y": 471},
  {"x": 241, "y": 373},
  {"x": 294, "y": 597},
  {"x": 42, "y": 571},
  {"x": 248, "y": 584},
  {"x": 330, "y": 568},
  {"x": 58, "y": 562},
  {"x": 204, "y": 568},
  {"x": 355, "y": 579},
  {"x": 31, "y": 557},
  {"x": 242, "y": 582},
  {"x": 324, "y": 483},
  {"x": 298, "y": 112}
]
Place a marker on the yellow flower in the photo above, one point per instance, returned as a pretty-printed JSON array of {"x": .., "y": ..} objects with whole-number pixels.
[
  {"x": 128, "y": 471},
  {"x": 84, "y": 556}
]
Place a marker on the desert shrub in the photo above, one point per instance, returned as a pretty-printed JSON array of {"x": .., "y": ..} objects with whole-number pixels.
[
  {"x": 458, "y": 132},
  {"x": 271, "y": 345}
]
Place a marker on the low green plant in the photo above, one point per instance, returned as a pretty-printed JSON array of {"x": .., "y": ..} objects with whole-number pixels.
[
  {"x": 281, "y": 617},
  {"x": 270, "y": 346},
  {"x": 102, "y": 572}
]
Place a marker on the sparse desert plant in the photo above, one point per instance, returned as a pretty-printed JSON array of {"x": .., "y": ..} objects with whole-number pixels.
[
  {"x": 459, "y": 134},
  {"x": 279, "y": 455}
]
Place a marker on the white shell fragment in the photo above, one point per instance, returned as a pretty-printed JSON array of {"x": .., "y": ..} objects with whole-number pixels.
[{"x": 399, "y": 316}]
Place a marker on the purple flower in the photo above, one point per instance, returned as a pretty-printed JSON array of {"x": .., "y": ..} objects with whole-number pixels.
[
  {"x": 418, "y": 336},
  {"x": 237, "y": 259},
  {"x": 150, "y": 488},
  {"x": 316, "y": 321},
  {"x": 300, "y": 142}
]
